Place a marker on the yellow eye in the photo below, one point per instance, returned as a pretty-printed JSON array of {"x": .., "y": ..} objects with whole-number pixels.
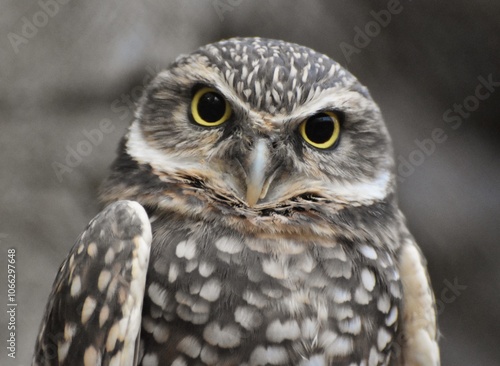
[
  {"x": 209, "y": 108},
  {"x": 321, "y": 131}
]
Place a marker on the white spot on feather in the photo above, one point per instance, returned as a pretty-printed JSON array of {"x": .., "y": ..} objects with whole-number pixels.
[
  {"x": 309, "y": 328},
  {"x": 150, "y": 359},
  {"x": 190, "y": 346},
  {"x": 229, "y": 245},
  {"x": 92, "y": 250},
  {"x": 91, "y": 357},
  {"x": 209, "y": 355},
  {"x": 69, "y": 331},
  {"x": 173, "y": 272},
  {"x": 275, "y": 269},
  {"x": 383, "y": 303},
  {"x": 179, "y": 361},
  {"x": 277, "y": 332},
  {"x": 161, "y": 267},
  {"x": 336, "y": 345},
  {"x": 351, "y": 326},
  {"x": 206, "y": 269},
  {"x": 158, "y": 294},
  {"x": 255, "y": 299},
  {"x": 191, "y": 265},
  {"x": 248, "y": 317},
  {"x": 340, "y": 295},
  {"x": 272, "y": 355},
  {"x": 362, "y": 297},
  {"x": 392, "y": 317},
  {"x": 112, "y": 337},
  {"x": 62, "y": 351},
  {"x": 383, "y": 338},
  {"x": 368, "y": 252},
  {"x": 316, "y": 360},
  {"x": 103, "y": 315},
  {"x": 103, "y": 280},
  {"x": 368, "y": 279},
  {"x": 228, "y": 336},
  {"x": 161, "y": 333},
  {"x": 373, "y": 359},
  {"x": 109, "y": 256},
  {"x": 211, "y": 290},
  {"x": 343, "y": 312},
  {"x": 76, "y": 286},
  {"x": 395, "y": 290},
  {"x": 186, "y": 249}
]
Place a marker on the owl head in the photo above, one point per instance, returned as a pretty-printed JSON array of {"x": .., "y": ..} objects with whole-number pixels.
[{"x": 255, "y": 128}]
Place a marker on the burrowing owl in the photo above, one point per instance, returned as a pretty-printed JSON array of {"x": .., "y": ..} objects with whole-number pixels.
[{"x": 256, "y": 224}]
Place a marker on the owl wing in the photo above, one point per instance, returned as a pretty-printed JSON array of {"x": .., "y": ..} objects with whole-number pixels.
[
  {"x": 93, "y": 315},
  {"x": 418, "y": 322}
]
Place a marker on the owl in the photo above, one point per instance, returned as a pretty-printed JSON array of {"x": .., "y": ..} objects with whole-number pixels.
[{"x": 251, "y": 219}]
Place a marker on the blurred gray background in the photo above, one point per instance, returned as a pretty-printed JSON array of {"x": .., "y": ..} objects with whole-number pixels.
[{"x": 67, "y": 66}]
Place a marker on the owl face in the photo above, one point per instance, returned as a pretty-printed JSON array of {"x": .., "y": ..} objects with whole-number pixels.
[{"x": 263, "y": 125}]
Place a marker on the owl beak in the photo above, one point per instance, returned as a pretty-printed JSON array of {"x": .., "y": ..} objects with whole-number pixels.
[{"x": 256, "y": 173}]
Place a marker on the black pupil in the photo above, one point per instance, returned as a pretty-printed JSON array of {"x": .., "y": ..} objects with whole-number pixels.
[
  {"x": 320, "y": 128},
  {"x": 211, "y": 107}
]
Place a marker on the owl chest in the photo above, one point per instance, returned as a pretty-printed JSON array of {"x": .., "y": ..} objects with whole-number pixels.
[{"x": 219, "y": 296}]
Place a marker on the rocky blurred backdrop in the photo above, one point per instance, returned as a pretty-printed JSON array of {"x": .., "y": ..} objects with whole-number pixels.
[{"x": 71, "y": 72}]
